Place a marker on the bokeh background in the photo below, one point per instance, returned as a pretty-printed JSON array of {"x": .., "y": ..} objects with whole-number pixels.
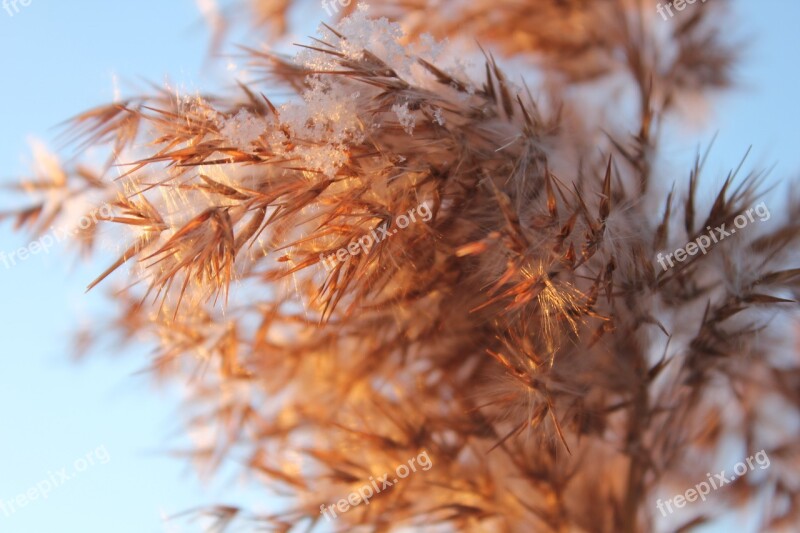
[{"x": 59, "y": 58}]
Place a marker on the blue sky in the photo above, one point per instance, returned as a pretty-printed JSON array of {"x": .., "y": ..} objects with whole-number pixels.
[{"x": 58, "y": 58}]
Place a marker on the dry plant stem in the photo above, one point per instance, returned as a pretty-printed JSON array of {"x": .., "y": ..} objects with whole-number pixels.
[{"x": 521, "y": 335}]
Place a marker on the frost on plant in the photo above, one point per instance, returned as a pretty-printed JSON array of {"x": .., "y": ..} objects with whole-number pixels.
[{"x": 523, "y": 335}]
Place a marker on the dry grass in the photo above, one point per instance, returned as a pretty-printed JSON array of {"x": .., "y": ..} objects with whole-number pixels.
[{"x": 523, "y": 336}]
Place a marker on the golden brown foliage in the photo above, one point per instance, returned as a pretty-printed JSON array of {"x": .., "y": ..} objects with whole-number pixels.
[{"x": 524, "y": 336}]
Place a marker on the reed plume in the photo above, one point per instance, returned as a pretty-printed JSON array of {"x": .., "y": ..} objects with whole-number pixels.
[{"x": 525, "y": 336}]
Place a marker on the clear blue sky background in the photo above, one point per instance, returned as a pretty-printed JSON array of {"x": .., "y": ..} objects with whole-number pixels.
[{"x": 57, "y": 58}]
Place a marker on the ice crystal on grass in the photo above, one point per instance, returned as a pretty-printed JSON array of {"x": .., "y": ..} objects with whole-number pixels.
[
  {"x": 243, "y": 129},
  {"x": 523, "y": 335},
  {"x": 405, "y": 117}
]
